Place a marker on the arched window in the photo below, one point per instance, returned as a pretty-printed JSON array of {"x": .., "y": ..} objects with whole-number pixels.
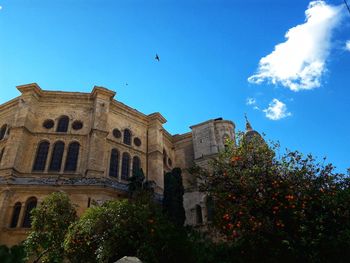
[
  {"x": 199, "y": 217},
  {"x": 125, "y": 166},
  {"x": 210, "y": 209},
  {"x": 3, "y": 131},
  {"x": 56, "y": 158},
  {"x": 41, "y": 156},
  {"x": 114, "y": 163},
  {"x": 2, "y": 154},
  {"x": 30, "y": 205},
  {"x": 72, "y": 157},
  {"x": 165, "y": 156},
  {"x": 62, "y": 125},
  {"x": 127, "y": 137},
  {"x": 136, "y": 164},
  {"x": 15, "y": 215}
]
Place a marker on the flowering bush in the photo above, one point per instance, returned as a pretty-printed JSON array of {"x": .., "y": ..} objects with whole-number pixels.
[
  {"x": 125, "y": 228},
  {"x": 268, "y": 207}
]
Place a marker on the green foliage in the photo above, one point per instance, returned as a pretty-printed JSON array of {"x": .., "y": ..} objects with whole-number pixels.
[
  {"x": 269, "y": 208},
  {"x": 136, "y": 181},
  {"x": 15, "y": 254},
  {"x": 50, "y": 222},
  {"x": 120, "y": 228},
  {"x": 140, "y": 189},
  {"x": 173, "y": 197}
]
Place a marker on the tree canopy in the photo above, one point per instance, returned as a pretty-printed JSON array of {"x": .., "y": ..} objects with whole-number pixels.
[
  {"x": 173, "y": 197},
  {"x": 123, "y": 228},
  {"x": 269, "y": 207},
  {"x": 50, "y": 222}
]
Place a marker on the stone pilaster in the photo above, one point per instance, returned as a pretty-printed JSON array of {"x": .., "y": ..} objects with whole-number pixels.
[
  {"x": 99, "y": 130},
  {"x": 4, "y": 197},
  {"x": 155, "y": 170},
  {"x": 22, "y": 123}
]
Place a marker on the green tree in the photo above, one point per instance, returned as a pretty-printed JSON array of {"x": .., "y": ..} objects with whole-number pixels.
[
  {"x": 50, "y": 222},
  {"x": 140, "y": 189},
  {"x": 15, "y": 254},
  {"x": 173, "y": 197},
  {"x": 124, "y": 228},
  {"x": 271, "y": 208}
]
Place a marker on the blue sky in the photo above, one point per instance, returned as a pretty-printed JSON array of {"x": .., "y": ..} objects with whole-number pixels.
[{"x": 217, "y": 59}]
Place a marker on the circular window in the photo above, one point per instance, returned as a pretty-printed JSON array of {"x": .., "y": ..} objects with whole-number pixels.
[
  {"x": 170, "y": 162},
  {"x": 48, "y": 124},
  {"x": 137, "y": 141},
  {"x": 77, "y": 125},
  {"x": 116, "y": 133}
]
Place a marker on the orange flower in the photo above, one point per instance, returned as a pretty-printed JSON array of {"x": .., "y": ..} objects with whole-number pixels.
[
  {"x": 226, "y": 217},
  {"x": 235, "y": 233},
  {"x": 235, "y": 159}
]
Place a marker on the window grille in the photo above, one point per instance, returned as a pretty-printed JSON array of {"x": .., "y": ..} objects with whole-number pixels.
[
  {"x": 125, "y": 166},
  {"x": 30, "y": 205},
  {"x": 127, "y": 137},
  {"x": 57, "y": 154},
  {"x": 62, "y": 125},
  {"x": 41, "y": 156},
  {"x": 3, "y": 131},
  {"x": 72, "y": 157},
  {"x": 114, "y": 163},
  {"x": 15, "y": 215},
  {"x": 136, "y": 164}
]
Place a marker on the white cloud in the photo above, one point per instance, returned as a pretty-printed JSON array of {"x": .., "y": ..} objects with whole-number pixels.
[
  {"x": 347, "y": 45},
  {"x": 250, "y": 101},
  {"x": 276, "y": 110},
  {"x": 299, "y": 62},
  {"x": 0, "y": 7}
]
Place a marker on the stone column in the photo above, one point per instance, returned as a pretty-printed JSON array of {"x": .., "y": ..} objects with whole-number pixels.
[
  {"x": 155, "y": 170},
  {"x": 22, "y": 123},
  {"x": 4, "y": 198},
  {"x": 99, "y": 130}
]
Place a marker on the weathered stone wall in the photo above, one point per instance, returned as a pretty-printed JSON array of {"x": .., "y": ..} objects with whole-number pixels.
[
  {"x": 81, "y": 197},
  {"x": 100, "y": 114}
]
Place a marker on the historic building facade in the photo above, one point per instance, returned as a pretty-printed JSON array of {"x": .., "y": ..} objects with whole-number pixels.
[{"x": 87, "y": 145}]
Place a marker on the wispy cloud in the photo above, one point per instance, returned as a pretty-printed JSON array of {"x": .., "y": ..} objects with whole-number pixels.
[
  {"x": 347, "y": 45},
  {"x": 276, "y": 110},
  {"x": 0, "y": 7},
  {"x": 299, "y": 62},
  {"x": 250, "y": 101}
]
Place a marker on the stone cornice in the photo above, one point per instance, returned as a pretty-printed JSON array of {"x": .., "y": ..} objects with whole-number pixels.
[
  {"x": 119, "y": 107},
  {"x": 56, "y": 95},
  {"x": 213, "y": 121},
  {"x": 9, "y": 104},
  {"x": 156, "y": 116},
  {"x": 30, "y": 88},
  {"x": 167, "y": 135},
  {"x": 77, "y": 181},
  {"x": 226, "y": 121},
  {"x": 179, "y": 137},
  {"x": 103, "y": 91}
]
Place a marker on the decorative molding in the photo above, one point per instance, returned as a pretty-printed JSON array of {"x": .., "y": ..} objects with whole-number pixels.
[{"x": 103, "y": 91}]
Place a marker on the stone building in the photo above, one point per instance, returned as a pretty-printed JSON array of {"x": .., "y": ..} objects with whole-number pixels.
[{"x": 87, "y": 145}]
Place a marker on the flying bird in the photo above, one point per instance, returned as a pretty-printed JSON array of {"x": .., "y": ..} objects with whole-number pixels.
[
  {"x": 157, "y": 57},
  {"x": 347, "y": 6}
]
